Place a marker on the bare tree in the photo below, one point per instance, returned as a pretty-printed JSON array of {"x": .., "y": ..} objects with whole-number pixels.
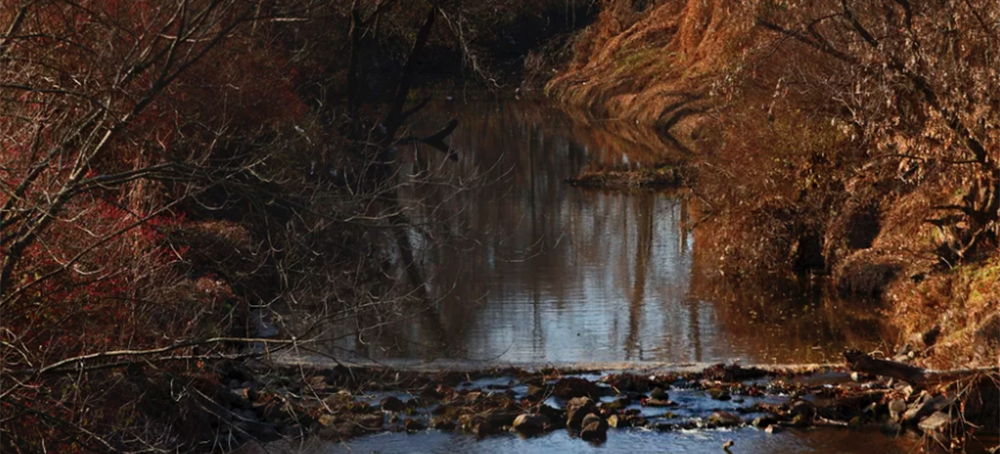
[{"x": 919, "y": 80}]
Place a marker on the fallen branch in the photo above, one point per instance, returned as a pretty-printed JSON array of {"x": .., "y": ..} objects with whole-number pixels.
[
  {"x": 73, "y": 364},
  {"x": 862, "y": 362}
]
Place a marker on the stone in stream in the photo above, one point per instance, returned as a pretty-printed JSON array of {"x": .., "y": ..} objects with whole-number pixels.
[
  {"x": 557, "y": 418},
  {"x": 393, "y": 404},
  {"x": 724, "y": 419},
  {"x": 413, "y": 425},
  {"x": 801, "y": 421},
  {"x": 936, "y": 422},
  {"x": 608, "y": 408},
  {"x": 659, "y": 393},
  {"x": 615, "y": 422},
  {"x": 502, "y": 417},
  {"x": 773, "y": 429},
  {"x": 629, "y": 383},
  {"x": 936, "y": 426},
  {"x": 577, "y": 409},
  {"x": 571, "y": 387},
  {"x": 804, "y": 409},
  {"x": 537, "y": 390},
  {"x": 478, "y": 425},
  {"x": 654, "y": 402},
  {"x": 764, "y": 421},
  {"x": 896, "y": 409},
  {"x": 634, "y": 419},
  {"x": 719, "y": 394},
  {"x": 925, "y": 406},
  {"x": 529, "y": 424},
  {"x": 594, "y": 428},
  {"x": 443, "y": 423},
  {"x": 728, "y": 444},
  {"x": 481, "y": 427}
]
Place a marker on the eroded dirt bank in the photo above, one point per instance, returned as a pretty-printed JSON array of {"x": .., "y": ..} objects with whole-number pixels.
[{"x": 825, "y": 143}]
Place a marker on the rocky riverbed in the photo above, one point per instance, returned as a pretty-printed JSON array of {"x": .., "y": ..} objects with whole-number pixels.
[{"x": 340, "y": 403}]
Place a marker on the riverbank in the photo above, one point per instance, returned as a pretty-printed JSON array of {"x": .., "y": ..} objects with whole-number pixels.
[{"x": 795, "y": 181}]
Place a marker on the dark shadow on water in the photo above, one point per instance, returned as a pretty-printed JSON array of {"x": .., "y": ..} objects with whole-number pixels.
[{"x": 529, "y": 269}]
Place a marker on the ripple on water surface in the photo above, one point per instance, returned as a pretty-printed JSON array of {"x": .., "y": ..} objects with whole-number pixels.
[
  {"x": 747, "y": 440},
  {"x": 540, "y": 271}
]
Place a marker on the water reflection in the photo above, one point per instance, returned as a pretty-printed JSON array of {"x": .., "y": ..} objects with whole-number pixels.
[
  {"x": 629, "y": 441},
  {"x": 529, "y": 269}
]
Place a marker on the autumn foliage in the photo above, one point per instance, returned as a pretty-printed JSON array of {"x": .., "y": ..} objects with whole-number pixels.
[
  {"x": 115, "y": 112},
  {"x": 859, "y": 140}
]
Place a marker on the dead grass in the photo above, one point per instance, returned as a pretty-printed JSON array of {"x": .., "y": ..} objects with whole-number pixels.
[
  {"x": 965, "y": 303},
  {"x": 781, "y": 171}
]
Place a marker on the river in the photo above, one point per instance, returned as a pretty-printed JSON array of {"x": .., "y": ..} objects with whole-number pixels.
[{"x": 528, "y": 270}]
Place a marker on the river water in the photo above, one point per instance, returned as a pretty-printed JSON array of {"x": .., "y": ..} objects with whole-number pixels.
[{"x": 529, "y": 270}]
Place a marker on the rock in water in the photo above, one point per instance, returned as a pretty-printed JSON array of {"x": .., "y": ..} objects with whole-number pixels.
[
  {"x": 443, "y": 423},
  {"x": 613, "y": 421},
  {"x": 531, "y": 424},
  {"x": 728, "y": 444},
  {"x": 557, "y": 418},
  {"x": 577, "y": 409},
  {"x": 936, "y": 422},
  {"x": 571, "y": 387},
  {"x": 654, "y": 402},
  {"x": 896, "y": 409},
  {"x": 659, "y": 393},
  {"x": 594, "y": 428},
  {"x": 481, "y": 427},
  {"x": 719, "y": 394},
  {"x": 925, "y": 407},
  {"x": 393, "y": 403},
  {"x": 724, "y": 419},
  {"x": 764, "y": 421},
  {"x": 804, "y": 409},
  {"x": 413, "y": 425}
]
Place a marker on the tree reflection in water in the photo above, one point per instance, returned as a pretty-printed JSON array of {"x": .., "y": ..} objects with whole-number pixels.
[{"x": 534, "y": 270}]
